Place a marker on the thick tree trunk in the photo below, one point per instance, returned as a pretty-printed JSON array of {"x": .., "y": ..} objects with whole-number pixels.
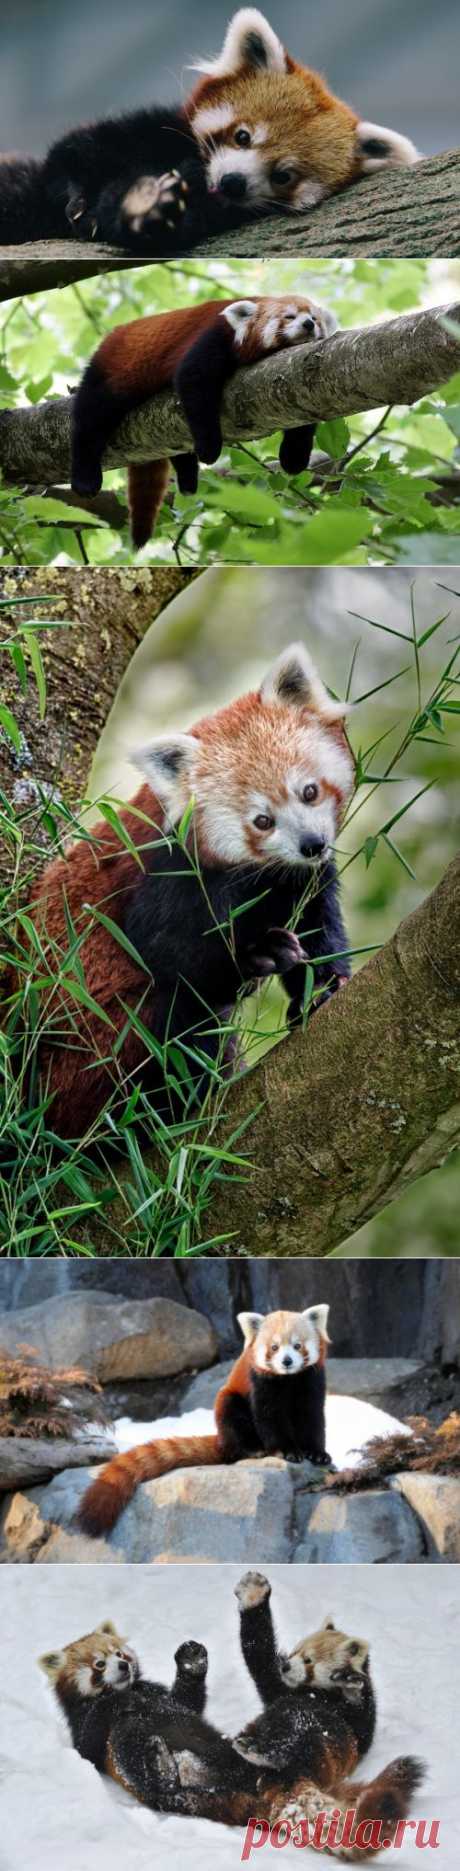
[
  {"x": 359, "y": 1106},
  {"x": 105, "y": 613},
  {"x": 395, "y": 362},
  {"x": 405, "y": 211}
]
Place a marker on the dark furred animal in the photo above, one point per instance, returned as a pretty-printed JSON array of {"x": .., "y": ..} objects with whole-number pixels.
[
  {"x": 194, "y": 350},
  {"x": 272, "y": 1403},
  {"x": 269, "y": 776},
  {"x": 319, "y": 1712},
  {"x": 257, "y": 131}
]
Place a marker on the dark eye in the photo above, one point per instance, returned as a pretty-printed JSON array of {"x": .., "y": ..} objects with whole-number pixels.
[
  {"x": 275, "y": 1345},
  {"x": 353, "y": 1650},
  {"x": 283, "y": 174},
  {"x": 98, "y": 1668},
  {"x": 310, "y": 793},
  {"x": 264, "y": 822},
  {"x": 243, "y": 139}
]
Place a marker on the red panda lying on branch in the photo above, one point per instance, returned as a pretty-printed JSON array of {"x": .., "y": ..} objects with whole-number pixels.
[
  {"x": 194, "y": 351},
  {"x": 258, "y": 131},
  {"x": 208, "y": 914},
  {"x": 272, "y": 1403}
]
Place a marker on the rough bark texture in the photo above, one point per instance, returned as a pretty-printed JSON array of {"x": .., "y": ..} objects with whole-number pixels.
[
  {"x": 105, "y": 613},
  {"x": 396, "y": 362},
  {"x": 43, "y": 265},
  {"x": 362, "y": 1104},
  {"x": 406, "y": 211}
]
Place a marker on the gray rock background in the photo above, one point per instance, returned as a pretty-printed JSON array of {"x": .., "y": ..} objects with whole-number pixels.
[{"x": 403, "y": 1309}]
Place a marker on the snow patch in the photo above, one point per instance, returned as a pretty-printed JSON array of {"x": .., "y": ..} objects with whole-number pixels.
[{"x": 350, "y": 1424}]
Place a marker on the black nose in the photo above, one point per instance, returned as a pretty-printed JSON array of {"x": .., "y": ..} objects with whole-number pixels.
[
  {"x": 308, "y": 324},
  {"x": 313, "y": 846},
  {"x": 233, "y": 185},
  {"x": 286, "y": 1361},
  {"x": 123, "y": 1667}
]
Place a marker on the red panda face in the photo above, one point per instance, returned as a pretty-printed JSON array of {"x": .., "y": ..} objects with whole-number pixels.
[
  {"x": 102, "y": 1660},
  {"x": 270, "y": 775},
  {"x": 329, "y": 1659},
  {"x": 274, "y": 324},
  {"x": 270, "y": 131},
  {"x": 286, "y": 1342}
]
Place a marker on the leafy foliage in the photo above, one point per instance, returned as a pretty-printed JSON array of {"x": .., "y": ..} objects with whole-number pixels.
[
  {"x": 35, "y": 1401},
  {"x": 376, "y": 499}
]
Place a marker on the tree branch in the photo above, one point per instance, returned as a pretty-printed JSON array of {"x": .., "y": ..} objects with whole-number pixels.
[
  {"x": 360, "y": 1105},
  {"x": 403, "y": 211},
  {"x": 396, "y": 362}
]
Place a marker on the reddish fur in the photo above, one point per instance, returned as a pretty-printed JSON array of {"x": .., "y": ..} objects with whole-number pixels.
[
  {"x": 302, "y": 115},
  {"x": 233, "y": 745},
  {"x": 386, "y": 1799},
  {"x": 147, "y": 485}
]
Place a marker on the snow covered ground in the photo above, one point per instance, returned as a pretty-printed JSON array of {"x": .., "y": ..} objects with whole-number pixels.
[
  {"x": 58, "y": 1814},
  {"x": 349, "y": 1423}
]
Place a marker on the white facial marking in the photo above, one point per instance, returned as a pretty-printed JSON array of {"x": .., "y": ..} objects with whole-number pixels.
[
  {"x": 399, "y": 151},
  {"x": 213, "y": 117},
  {"x": 246, "y": 23},
  {"x": 246, "y": 162}
]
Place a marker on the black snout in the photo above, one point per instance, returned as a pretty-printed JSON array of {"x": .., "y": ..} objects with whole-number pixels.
[
  {"x": 313, "y": 846},
  {"x": 123, "y": 1667},
  {"x": 286, "y": 1361},
  {"x": 233, "y": 185},
  {"x": 308, "y": 323}
]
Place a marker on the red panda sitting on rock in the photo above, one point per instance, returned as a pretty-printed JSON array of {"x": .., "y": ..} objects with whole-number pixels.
[
  {"x": 195, "y": 350},
  {"x": 273, "y": 1403},
  {"x": 208, "y": 914}
]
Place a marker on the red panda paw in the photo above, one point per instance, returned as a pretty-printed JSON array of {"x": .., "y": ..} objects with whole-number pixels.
[
  {"x": 155, "y": 199},
  {"x": 279, "y": 952}
]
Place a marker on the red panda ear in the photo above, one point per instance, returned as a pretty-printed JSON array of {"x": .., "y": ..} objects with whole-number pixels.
[
  {"x": 250, "y": 1322},
  {"x": 293, "y": 682},
  {"x": 379, "y": 148},
  {"x": 168, "y": 764},
  {"x": 51, "y": 1664},
  {"x": 249, "y": 44}
]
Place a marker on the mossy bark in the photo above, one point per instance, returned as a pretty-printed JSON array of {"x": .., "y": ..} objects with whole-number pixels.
[{"x": 104, "y": 614}]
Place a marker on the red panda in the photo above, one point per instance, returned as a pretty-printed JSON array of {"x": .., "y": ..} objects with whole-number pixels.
[
  {"x": 257, "y": 1409},
  {"x": 195, "y": 349},
  {"x": 269, "y": 776},
  {"x": 258, "y": 131},
  {"x": 272, "y": 133}
]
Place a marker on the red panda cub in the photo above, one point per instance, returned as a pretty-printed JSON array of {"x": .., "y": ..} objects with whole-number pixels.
[
  {"x": 271, "y": 132},
  {"x": 273, "y": 1403},
  {"x": 194, "y": 350},
  {"x": 250, "y": 890}
]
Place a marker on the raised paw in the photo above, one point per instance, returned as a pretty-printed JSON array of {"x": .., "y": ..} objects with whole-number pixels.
[
  {"x": 244, "y": 1746},
  {"x": 192, "y": 1659},
  {"x": 80, "y": 218},
  {"x": 155, "y": 200},
  {"x": 252, "y": 1590}
]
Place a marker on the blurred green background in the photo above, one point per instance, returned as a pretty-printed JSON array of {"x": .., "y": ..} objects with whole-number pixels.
[
  {"x": 216, "y": 640},
  {"x": 387, "y": 507}
]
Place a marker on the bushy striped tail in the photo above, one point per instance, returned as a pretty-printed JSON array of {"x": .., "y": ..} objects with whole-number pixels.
[
  {"x": 147, "y": 485},
  {"x": 377, "y": 1809},
  {"x": 110, "y": 1492}
]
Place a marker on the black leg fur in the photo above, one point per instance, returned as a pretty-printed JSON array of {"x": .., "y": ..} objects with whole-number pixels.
[
  {"x": 199, "y": 382},
  {"x": 296, "y": 448}
]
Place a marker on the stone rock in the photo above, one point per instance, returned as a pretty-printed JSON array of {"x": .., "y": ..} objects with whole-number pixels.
[
  {"x": 201, "y": 1393},
  {"x": 112, "y": 1337},
  {"x": 435, "y": 1499},
  {"x": 334, "y": 1529},
  {"x": 243, "y": 1513},
  {"x": 24, "y": 1459},
  {"x": 23, "y": 1529}
]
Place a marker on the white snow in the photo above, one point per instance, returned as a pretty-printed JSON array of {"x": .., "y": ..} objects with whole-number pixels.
[
  {"x": 58, "y": 1814},
  {"x": 349, "y": 1423}
]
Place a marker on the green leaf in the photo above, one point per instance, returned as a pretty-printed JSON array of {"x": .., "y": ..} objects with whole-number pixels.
[
  {"x": 37, "y": 665},
  {"x": 333, "y": 437},
  {"x": 10, "y": 726}
]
